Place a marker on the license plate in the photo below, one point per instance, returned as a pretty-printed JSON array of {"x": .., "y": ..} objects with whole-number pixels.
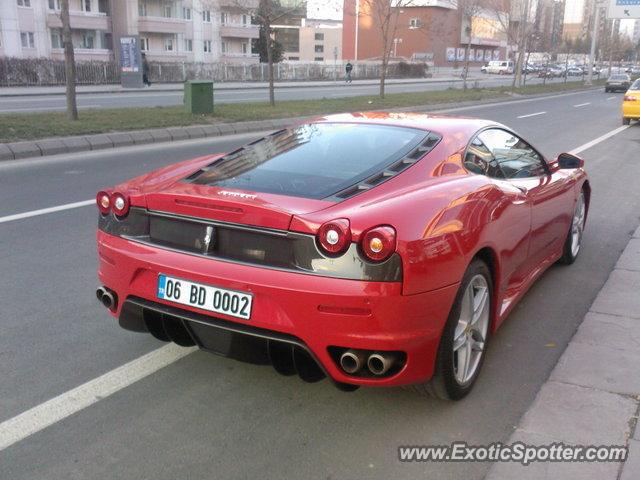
[{"x": 206, "y": 297}]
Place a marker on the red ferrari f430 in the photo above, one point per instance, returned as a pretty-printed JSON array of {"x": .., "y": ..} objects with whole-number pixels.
[{"x": 375, "y": 249}]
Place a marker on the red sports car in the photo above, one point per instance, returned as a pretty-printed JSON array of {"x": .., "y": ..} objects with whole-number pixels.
[{"x": 377, "y": 249}]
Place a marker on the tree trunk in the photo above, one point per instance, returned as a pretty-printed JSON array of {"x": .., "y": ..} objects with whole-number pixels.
[
  {"x": 383, "y": 75},
  {"x": 272, "y": 97},
  {"x": 465, "y": 69},
  {"x": 69, "y": 61}
]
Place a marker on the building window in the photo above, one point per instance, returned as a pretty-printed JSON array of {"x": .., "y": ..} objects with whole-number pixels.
[
  {"x": 168, "y": 44},
  {"x": 289, "y": 38},
  {"x": 319, "y": 37},
  {"x": 318, "y": 59},
  {"x": 319, "y": 49},
  {"x": 186, "y": 13},
  {"x": 206, "y": 16},
  {"x": 27, "y": 40},
  {"x": 56, "y": 38},
  {"x": 86, "y": 5},
  {"x": 54, "y": 4},
  {"x": 245, "y": 48},
  {"x": 188, "y": 45},
  {"x": 88, "y": 40},
  {"x": 207, "y": 46},
  {"x": 142, "y": 9},
  {"x": 24, "y": 3},
  {"x": 167, "y": 10},
  {"x": 223, "y": 18},
  {"x": 144, "y": 44},
  {"x": 414, "y": 23},
  {"x": 103, "y": 6},
  {"x": 245, "y": 20},
  {"x": 223, "y": 47},
  {"x": 294, "y": 59}
]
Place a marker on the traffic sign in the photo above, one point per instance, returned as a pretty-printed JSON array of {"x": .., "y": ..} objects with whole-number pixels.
[{"x": 623, "y": 9}]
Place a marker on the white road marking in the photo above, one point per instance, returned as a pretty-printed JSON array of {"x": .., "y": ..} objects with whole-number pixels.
[
  {"x": 52, "y": 411},
  {"x": 612, "y": 98},
  {"x": 582, "y": 104},
  {"x": 44, "y": 211},
  {"x": 68, "y": 403},
  {"x": 531, "y": 115},
  {"x": 596, "y": 141}
]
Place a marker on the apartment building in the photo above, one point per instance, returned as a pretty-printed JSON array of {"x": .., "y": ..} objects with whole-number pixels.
[
  {"x": 310, "y": 31},
  {"x": 169, "y": 30}
]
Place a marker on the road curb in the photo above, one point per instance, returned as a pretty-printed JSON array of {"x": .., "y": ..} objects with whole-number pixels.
[
  {"x": 592, "y": 396},
  {"x": 58, "y": 145}
]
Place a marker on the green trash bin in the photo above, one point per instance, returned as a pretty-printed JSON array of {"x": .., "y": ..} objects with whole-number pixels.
[{"x": 198, "y": 96}]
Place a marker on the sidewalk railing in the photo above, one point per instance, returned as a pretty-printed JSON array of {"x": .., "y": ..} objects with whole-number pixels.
[{"x": 47, "y": 72}]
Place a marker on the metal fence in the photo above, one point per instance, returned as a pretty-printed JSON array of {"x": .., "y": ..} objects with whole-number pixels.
[{"x": 43, "y": 71}]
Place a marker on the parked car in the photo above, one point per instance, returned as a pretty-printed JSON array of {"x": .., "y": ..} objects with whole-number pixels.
[
  {"x": 378, "y": 249},
  {"x": 618, "y": 82},
  {"x": 552, "y": 71},
  {"x": 575, "y": 72},
  {"x": 631, "y": 104},
  {"x": 502, "y": 67}
]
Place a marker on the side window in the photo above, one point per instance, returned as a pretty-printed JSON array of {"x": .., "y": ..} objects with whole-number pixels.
[
  {"x": 479, "y": 159},
  {"x": 515, "y": 157}
]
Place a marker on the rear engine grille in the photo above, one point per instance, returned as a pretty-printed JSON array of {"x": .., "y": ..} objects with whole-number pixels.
[{"x": 276, "y": 249}]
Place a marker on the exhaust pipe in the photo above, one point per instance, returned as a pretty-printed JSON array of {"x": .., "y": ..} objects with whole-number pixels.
[
  {"x": 379, "y": 363},
  {"x": 352, "y": 360},
  {"x": 100, "y": 293},
  {"x": 108, "y": 300}
]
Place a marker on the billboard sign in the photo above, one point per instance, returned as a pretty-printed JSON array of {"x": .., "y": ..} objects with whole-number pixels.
[
  {"x": 129, "y": 55},
  {"x": 624, "y": 9}
]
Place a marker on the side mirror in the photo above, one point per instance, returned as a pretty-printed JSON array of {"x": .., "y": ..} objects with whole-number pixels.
[{"x": 569, "y": 161}]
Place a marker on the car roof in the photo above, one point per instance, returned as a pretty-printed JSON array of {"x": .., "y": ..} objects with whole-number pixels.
[{"x": 446, "y": 125}]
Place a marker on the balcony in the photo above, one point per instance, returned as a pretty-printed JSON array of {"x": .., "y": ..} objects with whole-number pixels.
[
  {"x": 162, "y": 25},
  {"x": 81, "y": 20},
  {"x": 238, "y": 30}
]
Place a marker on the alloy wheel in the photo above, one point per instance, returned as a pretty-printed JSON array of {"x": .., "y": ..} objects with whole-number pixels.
[{"x": 471, "y": 331}]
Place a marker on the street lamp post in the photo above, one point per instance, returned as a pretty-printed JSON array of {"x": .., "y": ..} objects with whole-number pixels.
[{"x": 594, "y": 41}]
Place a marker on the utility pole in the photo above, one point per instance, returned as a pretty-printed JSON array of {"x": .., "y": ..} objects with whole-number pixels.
[{"x": 594, "y": 41}]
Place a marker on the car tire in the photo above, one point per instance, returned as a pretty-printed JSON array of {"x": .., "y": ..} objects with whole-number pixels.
[
  {"x": 606, "y": 90},
  {"x": 573, "y": 242},
  {"x": 626, "y": 121},
  {"x": 446, "y": 383}
]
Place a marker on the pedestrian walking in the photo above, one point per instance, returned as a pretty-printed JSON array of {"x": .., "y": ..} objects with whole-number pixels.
[
  {"x": 145, "y": 71},
  {"x": 348, "y": 67}
]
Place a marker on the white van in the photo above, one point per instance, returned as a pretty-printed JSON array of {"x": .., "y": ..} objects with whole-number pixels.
[{"x": 503, "y": 67}]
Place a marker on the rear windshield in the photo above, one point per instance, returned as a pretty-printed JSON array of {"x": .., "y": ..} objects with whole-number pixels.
[
  {"x": 636, "y": 85},
  {"x": 619, "y": 77},
  {"x": 312, "y": 161}
]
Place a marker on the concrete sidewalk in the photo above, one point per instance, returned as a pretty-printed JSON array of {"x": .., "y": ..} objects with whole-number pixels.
[
  {"x": 173, "y": 87},
  {"x": 592, "y": 396}
]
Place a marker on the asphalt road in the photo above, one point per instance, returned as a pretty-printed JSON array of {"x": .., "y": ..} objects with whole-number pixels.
[
  {"x": 208, "y": 417},
  {"x": 149, "y": 98}
]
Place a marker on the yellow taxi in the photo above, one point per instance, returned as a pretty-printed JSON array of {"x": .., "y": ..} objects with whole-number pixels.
[{"x": 631, "y": 103}]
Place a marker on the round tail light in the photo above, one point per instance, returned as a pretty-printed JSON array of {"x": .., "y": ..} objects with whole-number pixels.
[
  {"x": 104, "y": 202},
  {"x": 334, "y": 237},
  {"x": 120, "y": 204},
  {"x": 378, "y": 243}
]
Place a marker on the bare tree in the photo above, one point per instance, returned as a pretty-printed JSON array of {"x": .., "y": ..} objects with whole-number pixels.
[
  {"x": 265, "y": 14},
  {"x": 384, "y": 14},
  {"x": 468, "y": 10},
  {"x": 69, "y": 61},
  {"x": 516, "y": 36}
]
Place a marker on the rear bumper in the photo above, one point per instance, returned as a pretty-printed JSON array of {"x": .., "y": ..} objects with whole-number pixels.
[
  {"x": 631, "y": 110},
  {"x": 316, "y": 312}
]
